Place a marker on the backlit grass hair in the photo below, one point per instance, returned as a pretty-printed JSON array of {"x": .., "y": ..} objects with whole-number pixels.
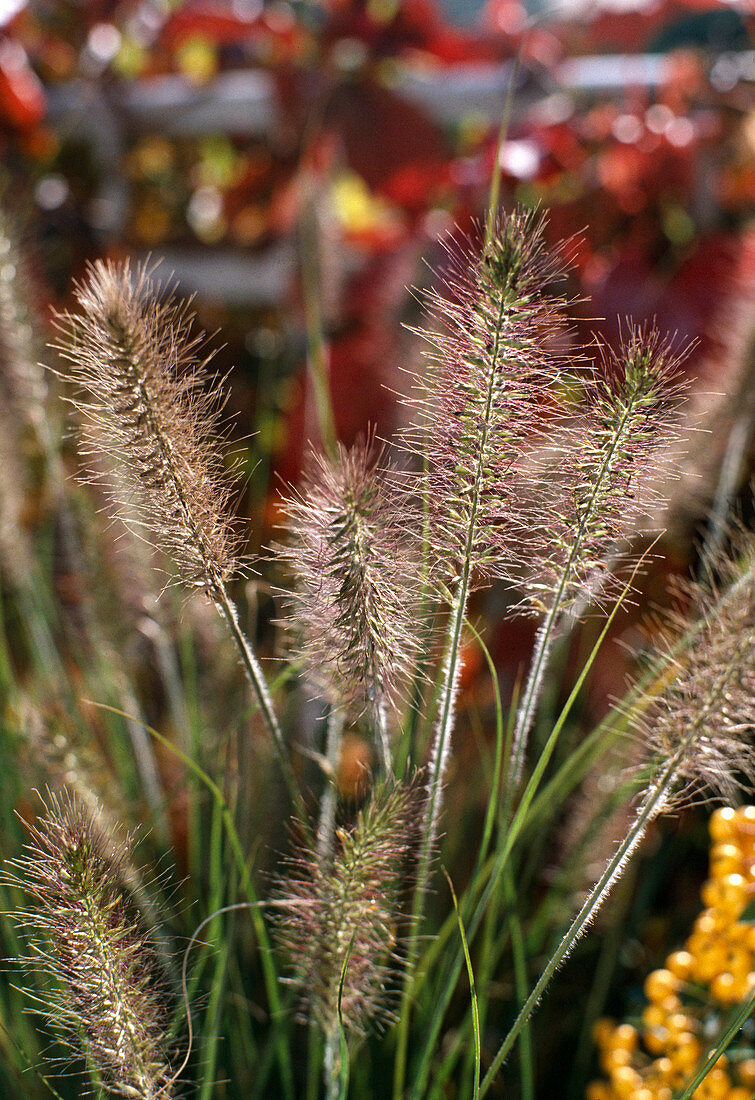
[
  {"x": 352, "y": 608},
  {"x": 341, "y": 914},
  {"x": 105, "y": 992},
  {"x": 146, "y": 402},
  {"x": 135, "y": 357}
]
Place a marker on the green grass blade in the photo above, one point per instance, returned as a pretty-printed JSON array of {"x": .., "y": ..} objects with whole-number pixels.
[
  {"x": 472, "y": 990},
  {"x": 736, "y": 1022}
]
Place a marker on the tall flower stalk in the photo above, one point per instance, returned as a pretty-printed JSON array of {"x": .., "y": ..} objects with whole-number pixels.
[
  {"x": 504, "y": 506},
  {"x": 481, "y": 404},
  {"x": 338, "y": 922},
  {"x": 484, "y": 415},
  {"x": 612, "y": 460}
]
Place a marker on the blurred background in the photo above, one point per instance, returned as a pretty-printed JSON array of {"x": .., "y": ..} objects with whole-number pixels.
[{"x": 235, "y": 140}]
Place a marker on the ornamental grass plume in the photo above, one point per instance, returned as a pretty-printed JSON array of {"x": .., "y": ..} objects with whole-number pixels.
[
  {"x": 136, "y": 360},
  {"x": 352, "y": 610},
  {"x": 698, "y": 717},
  {"x": 480, "y": 403},
  {"x": 524, "y": 481},
  {"x": 494, "y": 400},
  {"x": 106, "y": 994},
  {"x": 339, "y": 923},
  {"x": 145, "y": 401},
  {"x": 700, "y": 728}
]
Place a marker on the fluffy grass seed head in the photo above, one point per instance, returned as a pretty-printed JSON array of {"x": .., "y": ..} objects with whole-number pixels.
[
  {"x": 343, "y": 911},
  {"x": 132, "y": 351},
  {"x": 106, "y": 994},
  {"x": 523, "y": 482},
  {"x": 703, "y": 722},
  {"x": 610, "y": 468},
  {"x": 482, "y": 402},
  {"x": 351, "y": 611}
]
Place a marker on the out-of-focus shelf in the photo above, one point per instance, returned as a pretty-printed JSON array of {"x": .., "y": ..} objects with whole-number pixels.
[
  {"x": 232, "y": 276},
  {"x": 244, "y": 103}
]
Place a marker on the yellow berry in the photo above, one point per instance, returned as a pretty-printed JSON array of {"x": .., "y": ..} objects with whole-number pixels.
[
  {"x": 684, "y": 1052},
  {"x": 612, "y": 1059},
  {"x": 723, "y": 988},
  {"x": 625, "y": 1037},
  {"x": 654, "y": 1016},
  {"x": 602, "y": 1030},
  {"x": 725, "y": 859},
  {"x": 659, "y": 984},
  {"x": 625, "y": 1081},
  {"x": 680, "y": 964},
  {"x": 680, "y": 1024},
  {"x": 709, "y": 961},
  {"x": 656, "y": 1039},
  {"x": 708, "y": 922},
  {"x": 722, "y": 824},
  {"x": 747, "y": 1072},
  {"x": 739, "y": 1093},
  {"x": 743, "y": 986},
  {"x": 598, "y": 1090}
]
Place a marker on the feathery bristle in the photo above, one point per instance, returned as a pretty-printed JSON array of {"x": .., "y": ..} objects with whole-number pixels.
[
  {"x": 344, "y": 911},
  {"x": 136, "y": 359},
  {"x": 353, "y": 597},
  {"x": 86, "y": 939},
  {"x": 605, "y": 477},
  {"x": 482, "y": 402},
  {"x": 705, "y": 719}
]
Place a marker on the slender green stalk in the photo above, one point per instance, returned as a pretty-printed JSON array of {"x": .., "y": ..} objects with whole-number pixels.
[
  {"x": 738, "y": 1019},
  {"x": 447, "y": 715},
  {"x": 652, "y": 805},
  {"x": 259, "y": 684},
  {"x": 519, "y": 952},
  {"x": 472, "y": 990},
  {"x": 499, "y": 860},
  {"x": 432, "y": 809}
]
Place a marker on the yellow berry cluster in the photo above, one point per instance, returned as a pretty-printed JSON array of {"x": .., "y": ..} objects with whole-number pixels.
[{"x": 715, "y": 970}]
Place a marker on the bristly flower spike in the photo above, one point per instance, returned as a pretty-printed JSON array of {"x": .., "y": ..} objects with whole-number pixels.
[
  {"x": 481, "y": 401},
  {"x": 340, "y": 914},
  {"x": 704, "y": 721},
  {"x": 145, "y": 403},
  {"x": 351, "y": 609},
  {"x": 612, "y": 457},
  {"x": 135, "y": 357},
  {"x": 108, "y": 996},
  {"x": 481, "y": 414}
]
